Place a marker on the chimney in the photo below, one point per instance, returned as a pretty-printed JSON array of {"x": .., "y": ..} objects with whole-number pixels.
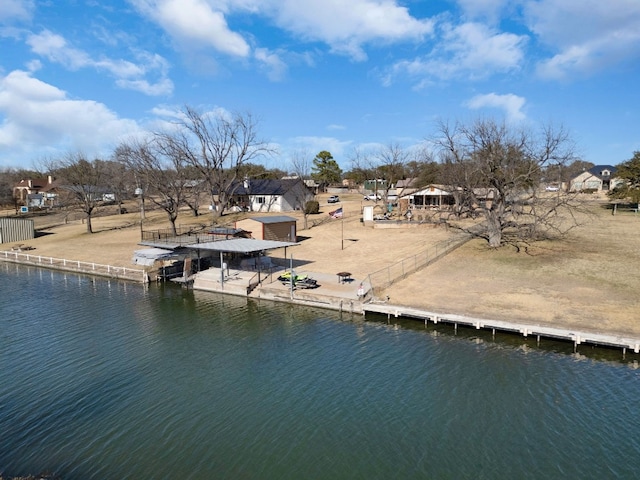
[{"x": 246, "y": 183}]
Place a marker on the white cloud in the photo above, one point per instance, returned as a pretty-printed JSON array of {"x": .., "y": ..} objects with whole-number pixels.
[
  {"x": 38, "y": 117},
  {"x": 588, "y": 35},
  {"x": 128, "y": 75},
  {"x": 471, "y": 50},
  {"x": 276, "y": 68},
  {"x": 510, "y": 104},
  {"x": 54, "y": 47},
  {"x": 475, "y": 47},
  {"x": 346, "y": 26},
  {"x": 489, "y": 10},
  {"x": 195, "y": 23},
  {"x": 11, "y": 10},
  {"x": 316, "y": 144}
]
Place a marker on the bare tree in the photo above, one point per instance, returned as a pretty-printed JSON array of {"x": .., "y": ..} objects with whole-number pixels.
[
  {"x": 361, "y": 166},
  {"x": 496, "y": 171},
  {"x": 391, "y": 161},
  {"x": 217, "y": 146},
  {"x": 83, "y": 182},
  {"x": 118, "y": 178},
  {"x": 387, "y": 163},
  {"x": 8, "y": 178},
  {"x": 160, "y": 167},
  {"x": 301, "y": 162}
]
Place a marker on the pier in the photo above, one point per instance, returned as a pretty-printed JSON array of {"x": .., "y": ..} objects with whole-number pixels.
[{"x": 525, "y": 329}]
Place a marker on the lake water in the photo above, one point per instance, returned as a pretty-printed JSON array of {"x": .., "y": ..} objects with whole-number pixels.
[{"x": 108, "y": 380}]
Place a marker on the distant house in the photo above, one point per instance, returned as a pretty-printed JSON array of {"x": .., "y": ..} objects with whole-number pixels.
[
  {"x": 406, "y": 186},
  {"x": 432, "y": 196},
  {"x": 600, "y": 178},
  {"x": 35, "y": 200},
  {"x": 36, "y": 192},
  {"x": 280, "y": 228},
  {"x": 270, "y": 195},
  {"x": 376, "y": 185}
]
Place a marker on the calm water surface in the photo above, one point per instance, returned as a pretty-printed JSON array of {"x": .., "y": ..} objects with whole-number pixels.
[{"x": 107, "y": 380}]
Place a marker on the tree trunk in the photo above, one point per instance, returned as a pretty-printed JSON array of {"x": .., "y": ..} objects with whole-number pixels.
[
  {"x": 494, "y": 229},
  {"x": 89, "y": 227},
  {"x": 216, "y": 212}
]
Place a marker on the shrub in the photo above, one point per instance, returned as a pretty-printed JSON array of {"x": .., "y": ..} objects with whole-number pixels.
[{"x": 311, "y": 207}]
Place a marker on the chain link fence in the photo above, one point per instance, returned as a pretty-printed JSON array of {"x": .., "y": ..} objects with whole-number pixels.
[{"x": 387, "y": 276}]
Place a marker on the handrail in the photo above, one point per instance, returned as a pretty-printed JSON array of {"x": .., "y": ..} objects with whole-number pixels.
[{"x": 75, "y": 266}]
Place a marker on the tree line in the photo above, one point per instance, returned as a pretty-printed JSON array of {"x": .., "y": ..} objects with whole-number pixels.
[{"x": 493, "y": 170}]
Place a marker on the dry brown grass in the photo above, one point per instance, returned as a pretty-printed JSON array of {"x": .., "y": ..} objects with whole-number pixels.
[{"x": 589, "y": 281}]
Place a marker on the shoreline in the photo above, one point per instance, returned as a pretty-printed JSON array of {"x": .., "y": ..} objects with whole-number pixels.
[
  {"x": 337, "y": 303},
  {"x": 585, "y": 282}
]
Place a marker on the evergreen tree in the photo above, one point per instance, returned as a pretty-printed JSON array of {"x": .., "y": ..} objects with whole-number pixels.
[
  {"x": 629, "y": 171},
  {"x": 325, "y": 169}
]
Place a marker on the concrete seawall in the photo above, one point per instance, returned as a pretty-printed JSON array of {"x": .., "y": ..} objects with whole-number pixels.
[
  {"x": 525, "y": 329},
  {"x": 334, "y": 295},
  {"x": 87, "y": 268}
]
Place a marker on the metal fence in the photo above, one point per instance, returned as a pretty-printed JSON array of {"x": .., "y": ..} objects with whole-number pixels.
[
  {"x": 183, "y": 235},
  {"x": 387, "y": 276},
  {"x": 123, "y": 273}
]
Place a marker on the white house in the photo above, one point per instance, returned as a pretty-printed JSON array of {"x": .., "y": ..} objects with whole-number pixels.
[
  {"x": 432, "y": 196},
  {"x": 270, "y": 195},
  {"x": 600, "y": 178}
]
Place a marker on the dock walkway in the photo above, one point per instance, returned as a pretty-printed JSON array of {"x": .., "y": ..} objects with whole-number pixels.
[{"x": 526, "y": 329}]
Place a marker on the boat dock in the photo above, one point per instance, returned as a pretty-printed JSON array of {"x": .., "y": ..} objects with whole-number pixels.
[{"x": 525, "y": 329}]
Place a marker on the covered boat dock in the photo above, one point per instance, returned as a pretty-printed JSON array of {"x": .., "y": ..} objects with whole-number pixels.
[{"x": 243, "y": 263}]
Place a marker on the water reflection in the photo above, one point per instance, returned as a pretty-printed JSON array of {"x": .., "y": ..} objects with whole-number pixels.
[{"x": 110, "y": 380}]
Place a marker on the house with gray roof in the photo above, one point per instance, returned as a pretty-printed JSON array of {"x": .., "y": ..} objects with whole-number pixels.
[
  {"x": 600, "y": 178},
  {"x": 271, "y": 195}
]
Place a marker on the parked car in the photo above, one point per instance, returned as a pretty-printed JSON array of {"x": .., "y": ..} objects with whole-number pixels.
[
  {"x": 333, "y": 199},
  {"x": 373, "y": 196}
]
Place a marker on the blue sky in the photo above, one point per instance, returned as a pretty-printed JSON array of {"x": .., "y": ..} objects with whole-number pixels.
[{"x": 83, "y": 75}]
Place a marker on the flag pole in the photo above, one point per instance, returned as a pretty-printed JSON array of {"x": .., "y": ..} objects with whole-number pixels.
[{"x": 342, "y": 225}]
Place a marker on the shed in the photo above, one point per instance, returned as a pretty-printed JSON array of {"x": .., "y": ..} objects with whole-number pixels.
[
  {"x": 279, "y": 228},
  {"x": 16, "y": 229}
]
